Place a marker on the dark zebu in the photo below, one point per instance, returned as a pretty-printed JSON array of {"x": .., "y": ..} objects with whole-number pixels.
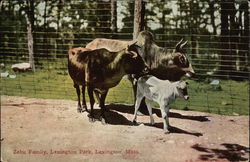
[
  {"x": 163, "y": 63},
  {"x": 100, "y": 70}
]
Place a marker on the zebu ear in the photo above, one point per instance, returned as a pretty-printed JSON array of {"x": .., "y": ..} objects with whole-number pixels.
[
  {"x": 177, "y": 46},
  {"x": 133, "y": 45},
  {"x": 181, "y": 84},
  {"x": 178, "y": 84},
  {"x": 133, "y": 48}
]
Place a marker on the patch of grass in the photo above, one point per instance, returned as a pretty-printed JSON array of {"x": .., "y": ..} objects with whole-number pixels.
[
  {"x": 57, "y": 84},
  {"x": 229, "y": 97}
]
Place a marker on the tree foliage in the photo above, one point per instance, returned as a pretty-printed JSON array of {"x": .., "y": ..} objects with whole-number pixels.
[{"x": 218, "y": 32}]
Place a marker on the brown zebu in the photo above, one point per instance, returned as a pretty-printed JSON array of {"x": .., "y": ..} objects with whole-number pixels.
[{"x": 100, "y": 70}]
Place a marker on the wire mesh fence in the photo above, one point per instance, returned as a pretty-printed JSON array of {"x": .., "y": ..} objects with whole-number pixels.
[{"x": 217, "y": 32}]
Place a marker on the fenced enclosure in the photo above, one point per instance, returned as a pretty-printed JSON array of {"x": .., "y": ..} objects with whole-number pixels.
[{"x": 217, "y": 32}]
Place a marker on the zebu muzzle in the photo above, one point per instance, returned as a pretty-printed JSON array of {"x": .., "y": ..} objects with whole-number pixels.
[
  {"x": 185, "y": 94},
  {"x": 143, "y": 73},
  {"x": 190, "y": 74},
  {"x": 186, "y": 97}
]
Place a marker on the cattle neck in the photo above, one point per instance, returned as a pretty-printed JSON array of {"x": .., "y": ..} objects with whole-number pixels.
[
  {"x": 175, "y": 90},
  {"x": 162, "y": 59},
  {"x": 169, "y": 88},
  {"x": 116, "y": 63}
]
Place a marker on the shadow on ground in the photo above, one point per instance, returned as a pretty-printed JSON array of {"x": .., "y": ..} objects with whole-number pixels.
[
  {"x": 114, "y": 118},
  {"x": 173, "y": 129},
  {"x": 232, "y": 152},
  {"x": 130, "y": 110}
]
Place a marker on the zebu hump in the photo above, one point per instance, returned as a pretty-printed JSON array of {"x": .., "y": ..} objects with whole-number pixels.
[{"x": 109, "y": 44}]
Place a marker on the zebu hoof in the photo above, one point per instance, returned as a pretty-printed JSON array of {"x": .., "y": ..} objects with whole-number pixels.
[
  {"x": 79, "y": 110},
  {"x": 152, "y": 124},
  {"x": 139, "y": 113},
  {"x": 91, "y": 118},
  {"x": 106, "y": 109},
  {"x": 84, "y": 108},
  {"x": 166, "y": 132},
  {"x": 134, "y": 122},
  {"x": 103, "y": 121}
]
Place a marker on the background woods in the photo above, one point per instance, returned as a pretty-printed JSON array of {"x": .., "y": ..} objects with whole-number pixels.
[{"x": 41, "y": 32}]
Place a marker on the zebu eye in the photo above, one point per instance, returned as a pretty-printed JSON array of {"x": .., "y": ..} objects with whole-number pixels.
[{"x": 182, "y": 60}]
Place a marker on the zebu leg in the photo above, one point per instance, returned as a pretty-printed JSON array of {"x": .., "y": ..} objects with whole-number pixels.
[
  {"x": 102, "y": 106},
  {"x": 149, "y": 105},
  {"x": 137, "y": 104},
  {"x": 97, "y": 97},
  {"x": 79, "y": 106},
  {"x": 164, "y": 114},
  {"x": 143, "y": 107},
  {"x": 84, "y": 105},
  {"x": 92, "y": 102}
]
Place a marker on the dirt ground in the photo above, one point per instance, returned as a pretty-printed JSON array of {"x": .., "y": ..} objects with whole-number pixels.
[{"x": 51, "y": 130}]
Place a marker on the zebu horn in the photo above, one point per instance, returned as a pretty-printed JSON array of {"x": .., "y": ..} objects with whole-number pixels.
[
  {"x": 183, "y": 44},
  {"x": 178, "y": 44},
  {"x": 134, "y": 54},
  {"x": 132, "y": 43},
  {"x": 133, "y": 48}
]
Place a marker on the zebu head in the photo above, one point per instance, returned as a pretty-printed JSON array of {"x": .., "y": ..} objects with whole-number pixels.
[
  {"x": 182, "y": 89},
  {"x": 133, "y": 62},
  {"x": 162, "y": 62},
  {"x": 180, "y": 59}
]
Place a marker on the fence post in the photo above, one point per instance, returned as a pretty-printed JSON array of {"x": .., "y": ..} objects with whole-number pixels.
[{"x": 139, "y": 12}]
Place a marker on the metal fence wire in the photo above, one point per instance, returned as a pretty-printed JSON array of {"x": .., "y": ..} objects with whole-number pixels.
[{"x": 217, "y": 34}]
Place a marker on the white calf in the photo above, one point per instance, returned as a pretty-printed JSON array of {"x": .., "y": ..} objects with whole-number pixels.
[{"x": 161, "y": 91}]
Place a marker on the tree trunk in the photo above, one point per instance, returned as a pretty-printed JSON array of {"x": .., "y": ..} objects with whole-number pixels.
[
  {"x": 229, "y": 39},
  {"x": 244, "y": 38},
  {"x": 30, "y": 28},
  {"x": 192, "y": 25},
  {"x": 45, "y": 42},
  {"x": 103, "y": 16},
  {"x": 113, "y": 18},
  {"x": 30, "y": 45},
  {"x": 211, "y": 11},
  {"x": 234, "y": 39},
  {"x": 45, "y": 15},
  {"x": 246, "y": 34},
  {"x": 59, "y": 9},
  {"x": 163, "y": 22},
  {"x": 224, "y": 38},
  {"x": 59, "y": 42},
  {"x": 139, "y": 12}
]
